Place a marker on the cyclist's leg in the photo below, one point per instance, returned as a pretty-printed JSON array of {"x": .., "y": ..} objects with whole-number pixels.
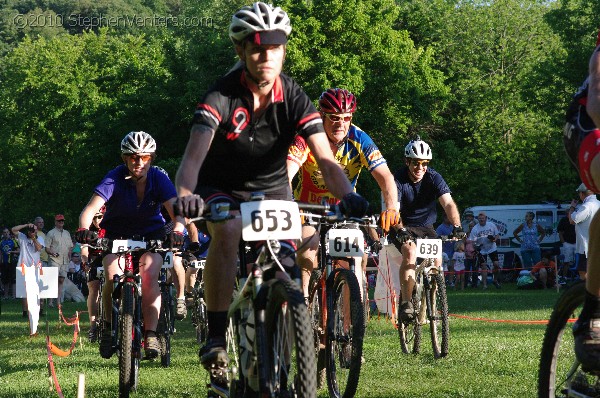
[
  {"x": 306, "y": 256},
  {"x": 179, "y": 282},
  {"x": 92, "y": 306},
  {"x": 484, "y": 269},
  {"x": 219, "y": 277},
  {"x": 495, "y": 268},
  {"x": 111, "y": 268},
  {"x": 150, "y": 264},
  {"x": 587, "y": 328},
  {"x": 407, "y": 278}
]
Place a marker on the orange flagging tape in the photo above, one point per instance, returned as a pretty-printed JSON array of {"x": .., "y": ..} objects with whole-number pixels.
[
  {"x": 472, "y": 318},
  {"x": 52, "y": 369},
  {"x": 52, "y": 349}
]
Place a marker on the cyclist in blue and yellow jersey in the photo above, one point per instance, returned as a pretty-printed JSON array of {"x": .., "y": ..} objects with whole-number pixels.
[
  {"x": 133, "y": 194},
  {"x": 240, "y": 135},
  {"x": 419, "y": 188},
  {"x": 354, "y": 150}
]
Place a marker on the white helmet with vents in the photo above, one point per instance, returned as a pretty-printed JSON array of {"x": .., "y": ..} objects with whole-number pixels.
[
  {"x": 138, "y": 142},
  {"x": 418, "y": 149},
  {"x": 259, "y": 17}
]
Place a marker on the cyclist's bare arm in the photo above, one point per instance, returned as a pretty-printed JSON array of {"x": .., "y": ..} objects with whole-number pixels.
[
  {"x": 450, "y": 208},
  {"x": 192, "y": 231},
  {"x": 197, "y": 147},
  {"x": 334, "y": 176},
  {"x": 89, "y": 211},
  {"x": 178, "y": 220},
  {"x": 385, "y": 180},
  {"x": 292, "y": 170},
  {"x": 593, "y": 99}
]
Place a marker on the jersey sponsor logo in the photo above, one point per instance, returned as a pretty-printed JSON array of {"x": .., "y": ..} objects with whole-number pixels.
[
  {"x": 240, "y": 120},
  {"x": 316, "y": 198}
]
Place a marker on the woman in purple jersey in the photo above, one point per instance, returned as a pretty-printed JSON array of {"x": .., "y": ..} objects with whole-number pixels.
[{"x": 133, "y": 194}]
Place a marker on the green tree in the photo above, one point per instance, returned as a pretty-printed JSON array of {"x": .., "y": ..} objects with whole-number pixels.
[{"x": 66, "y": 103}]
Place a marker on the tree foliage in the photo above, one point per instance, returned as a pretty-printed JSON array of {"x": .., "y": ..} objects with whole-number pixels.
[{"x": 486, "y": 83}]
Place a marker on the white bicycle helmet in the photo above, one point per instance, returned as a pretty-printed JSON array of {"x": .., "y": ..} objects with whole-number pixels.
[
  {"x": 258, "y": 17},
  {"x": 138, "y": 142},
  {"x": 418, "y": 149}
]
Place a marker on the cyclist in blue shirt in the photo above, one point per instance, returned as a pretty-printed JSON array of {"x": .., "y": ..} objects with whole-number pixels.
[
  {"x": 133, "y": 194},
  {"x": 419, "y": 188}
]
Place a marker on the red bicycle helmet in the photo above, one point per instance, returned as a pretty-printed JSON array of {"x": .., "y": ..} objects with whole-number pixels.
[{"x": 337, "y": 100}]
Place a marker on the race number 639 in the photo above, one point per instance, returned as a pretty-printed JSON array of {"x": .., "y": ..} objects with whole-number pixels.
[
  {"x": 429, "y": 248},
  {"x": 270, "y": 219}
]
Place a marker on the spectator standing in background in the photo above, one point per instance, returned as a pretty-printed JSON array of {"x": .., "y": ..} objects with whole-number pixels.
[
  {"x": 39, "y": 224},
  {"x": 567, "y": 236},
  {"x": 484, "y": 234},
  {"x": 532, "y": 235},
  {"x": 8, "y": 261},
  {"x": 59, "y": 246},
  {"x": 581, "y": 216}
]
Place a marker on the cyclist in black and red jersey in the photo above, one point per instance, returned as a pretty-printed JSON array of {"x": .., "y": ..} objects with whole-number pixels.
[
  {"x": 92, "y": 259},
  {"x": 241, "y": 133}
]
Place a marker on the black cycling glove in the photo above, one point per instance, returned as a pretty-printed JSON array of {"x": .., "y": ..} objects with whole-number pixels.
[
  {"x": 354, "y": 205},
  {"x": 193, "y": 247},
  {"x": 491, "y": 237},
  {"x": 400, "y": 237},
  {"x": 84, "y": 235},
  {"x": 458, "y": 233},
  {"x": 176, "y": 239}
]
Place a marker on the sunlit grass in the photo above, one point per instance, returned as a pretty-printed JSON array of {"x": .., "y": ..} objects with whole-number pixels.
[{"x": 486, "y": 359}]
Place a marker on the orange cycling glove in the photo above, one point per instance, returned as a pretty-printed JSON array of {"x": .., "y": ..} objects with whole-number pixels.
[{"x": 388, "y": 219}]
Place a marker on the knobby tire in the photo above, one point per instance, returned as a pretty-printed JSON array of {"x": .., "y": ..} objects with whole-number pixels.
[
  {"x": 345, "y": 337},
  {"x": 314, "y": 311},
  {"x": 163, "y": 331},
  {"x": 559, "y": 369},
  {"x": 410, "y": 333},
  {"x": 438, "y": 321},
  {"x": 291, "y": 356},
  {"x": 126, "y": 332}
]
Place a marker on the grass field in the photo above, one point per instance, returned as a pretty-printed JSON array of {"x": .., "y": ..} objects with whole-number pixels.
[{"x": 486, "y": 359}]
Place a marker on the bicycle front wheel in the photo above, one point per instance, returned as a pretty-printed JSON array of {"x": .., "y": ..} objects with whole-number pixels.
[
  {"x": 345, "y": 334},
  {"x": 560, "y": 373},
  {"x": 126, "y": 335},
  {"x": 315, "y": 289},
  {"x": 163, "y": 330},
  {"x": 437, "y": 312},
  {"x": 291, "y": 358},
  {"x": 410, "y": 332}
]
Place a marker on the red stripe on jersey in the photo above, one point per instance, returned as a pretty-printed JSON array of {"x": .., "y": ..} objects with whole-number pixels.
[
  {"x": 210, "y": 109},
  {"x": 307, "y": 119},
  {"x": 277, "y": 92}
]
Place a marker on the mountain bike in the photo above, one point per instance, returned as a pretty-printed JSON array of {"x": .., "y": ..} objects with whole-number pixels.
[
  {"x": 127, "y": 322},
  {"x": 166, "y": 317},
  {"x": 429, "y": 301},
  {"x": 336, "y": 306},
  {"x": 198, "y": 308},
  {"x": 560, "y": 373},
  {"x": 269, "y": 341}
]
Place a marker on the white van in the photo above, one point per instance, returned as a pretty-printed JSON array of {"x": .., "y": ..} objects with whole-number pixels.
[{"x": 508, "y": 217}]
